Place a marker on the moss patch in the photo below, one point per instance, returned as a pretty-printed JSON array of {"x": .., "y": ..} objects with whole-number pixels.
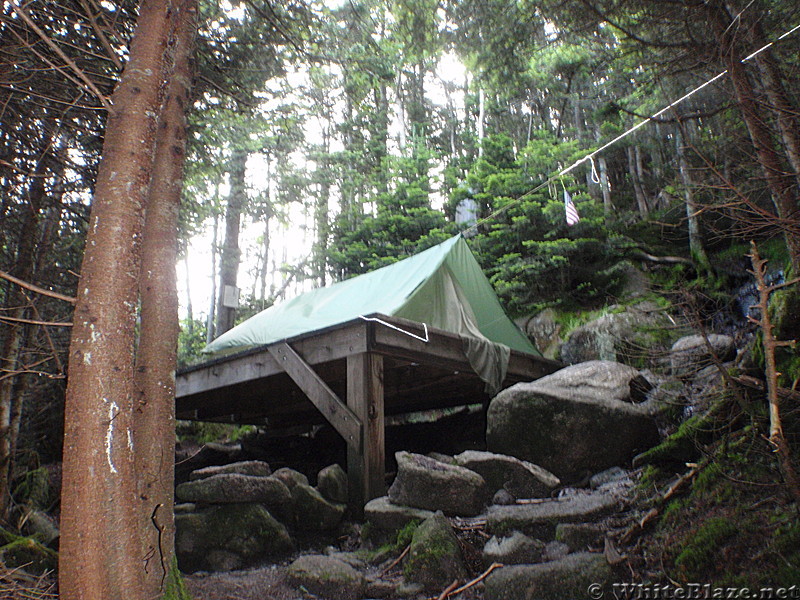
[
  {"x": 435, "y": 555},
  {"x": 26, "y": 553},
  {"x": 700, "y": 551},
  {"x": 734, "y": 525},
  {"x": 175, "y": 589}
]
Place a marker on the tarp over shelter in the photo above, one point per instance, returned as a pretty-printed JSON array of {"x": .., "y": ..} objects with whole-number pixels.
[{"x": 442, "y": 287}]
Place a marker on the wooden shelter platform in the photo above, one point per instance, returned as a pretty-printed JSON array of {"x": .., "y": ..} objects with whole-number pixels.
[{"x": 351, "y": 375}]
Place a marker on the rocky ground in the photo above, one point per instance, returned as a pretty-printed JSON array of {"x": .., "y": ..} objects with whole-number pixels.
[{"x": 252, "y": 584}]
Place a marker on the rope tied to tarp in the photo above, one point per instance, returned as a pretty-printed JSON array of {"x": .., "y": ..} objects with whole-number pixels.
[{"x": 401, "y": 330}]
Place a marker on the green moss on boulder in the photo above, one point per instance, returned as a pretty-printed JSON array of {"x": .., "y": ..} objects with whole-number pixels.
[{"x": 435, "y": 556}]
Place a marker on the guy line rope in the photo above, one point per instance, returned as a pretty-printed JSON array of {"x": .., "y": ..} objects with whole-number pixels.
[{"x": 590, "y": 156}]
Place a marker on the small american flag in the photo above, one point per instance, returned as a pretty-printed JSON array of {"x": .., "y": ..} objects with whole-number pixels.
[{"x": 572, "y": 213}]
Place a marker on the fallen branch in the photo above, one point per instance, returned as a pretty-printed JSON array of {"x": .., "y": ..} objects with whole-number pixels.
[
  {"x": 525, "y": 501},
  {"x": 477, "y": 580},
  {"x": 758, "y": 384},
  {"x": 396, "y": 561},
  {"x": 448, "y": 590},
  {"x": 672, "y": 490},
  {"x": 666, "y": 260}
]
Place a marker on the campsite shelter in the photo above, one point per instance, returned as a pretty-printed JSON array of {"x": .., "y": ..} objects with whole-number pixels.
[{"x": 425, "y": 332}]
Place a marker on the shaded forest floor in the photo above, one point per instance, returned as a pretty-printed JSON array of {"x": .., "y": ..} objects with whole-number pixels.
[{"x": 252, "y": 584}]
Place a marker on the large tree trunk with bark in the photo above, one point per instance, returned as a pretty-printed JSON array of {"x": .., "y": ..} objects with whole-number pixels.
[
  {"x": 780, "y": 102},
  {"x": 100, "y": 554},
  {"x": 154, "y": 414},
  {"x": 782, "y": 184}
]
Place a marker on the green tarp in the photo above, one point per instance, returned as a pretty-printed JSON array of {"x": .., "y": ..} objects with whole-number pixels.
[{"x": 442, "y": 287}]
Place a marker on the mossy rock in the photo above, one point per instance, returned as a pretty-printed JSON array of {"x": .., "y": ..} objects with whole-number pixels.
[
  {"x": 26, "y": 553},
  {"x": 327, "y": 577},
  {"x": 34, "y": 490},
  {"x": 435, "y": 557},
  {"x": 685, "y": 445},
  {"x": 568, "y": 577},
  {"x": 313, "y": 512},
  {"x": 210, "y": 539}
]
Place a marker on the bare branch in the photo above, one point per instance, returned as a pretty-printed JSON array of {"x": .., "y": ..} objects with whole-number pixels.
[
  {"x": 33, "y": 322},
  {"x": 101, "y": 35},
  {"x": 69, "y": 62},
  {"x": 36, "y": 288}
]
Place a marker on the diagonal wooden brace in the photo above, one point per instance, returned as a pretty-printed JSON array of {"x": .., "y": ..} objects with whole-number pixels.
[{"x": 327, "y": 402}]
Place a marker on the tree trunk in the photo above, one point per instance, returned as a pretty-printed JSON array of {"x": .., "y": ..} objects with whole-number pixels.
[
  {"x": 780, "y": 102},
  {"x": 154, "y": 414},
  {"x": 211, "y": 322},
  {"x": 481, "y": 118},
  {"x": 100, "y": 553},
  {"x": 13, "y": 342},
  {"x": 633, "y": 170},
  {"x": 608, "y": 206},
  {"x": 782, "y": 186},
  {"x": 231, "y": 254},
  {"x": 697, "y": 247},
  {"x": 187, "y": 276}
]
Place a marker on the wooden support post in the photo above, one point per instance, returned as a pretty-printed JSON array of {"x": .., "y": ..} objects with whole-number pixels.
[
  {"x": 366, "y": 463},
  {"x": 337, "y": 414}
]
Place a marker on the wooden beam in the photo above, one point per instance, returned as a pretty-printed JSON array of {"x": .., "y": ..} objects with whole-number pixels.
[
  {"x": 322, "y": 347},
  {"x": 366, "y": 465},
  {"x": 334, "y": 410}
]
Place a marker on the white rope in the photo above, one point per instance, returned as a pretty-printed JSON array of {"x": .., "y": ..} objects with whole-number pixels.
[
  {"x": 590, "y": 156},
  {"x": 396, "y": 328}
]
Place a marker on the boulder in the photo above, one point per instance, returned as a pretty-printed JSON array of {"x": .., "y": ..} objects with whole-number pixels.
[
  {"x": 228, "y": 488},
  {"x": 381, "y": 513},
  {"x": 540, "y": 520},
  {"x": 691, "y": 353},
  {"x": 520, "y": 478},
  {"x": 569, "y": 577},
  {"x": 290, "y": 477},
  {"x": 228, "y": 536},
  {"x": 544, "y": 330},
  {"x": 578, "y": 536},
  {"x": 327, "y": 577},
  {"x": 630, "y": 336},
  {"x": 38, "y": 524},
  {"x": 434, "y": 559},
  {"x": 516, "y": 549},
  {"x": 577, "y": 421},
  {"x": 503, "y": 497},
  {"x": 332, "y": 484},
  {"x": 190, "y": 456},
  {"x": 313, "y": 512},
  {"x": 554, "y": 550},
  {"x": 255, "y": 468},
  {"x": 426, "y": 483},
  {"x": 26, "y": 554}
]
